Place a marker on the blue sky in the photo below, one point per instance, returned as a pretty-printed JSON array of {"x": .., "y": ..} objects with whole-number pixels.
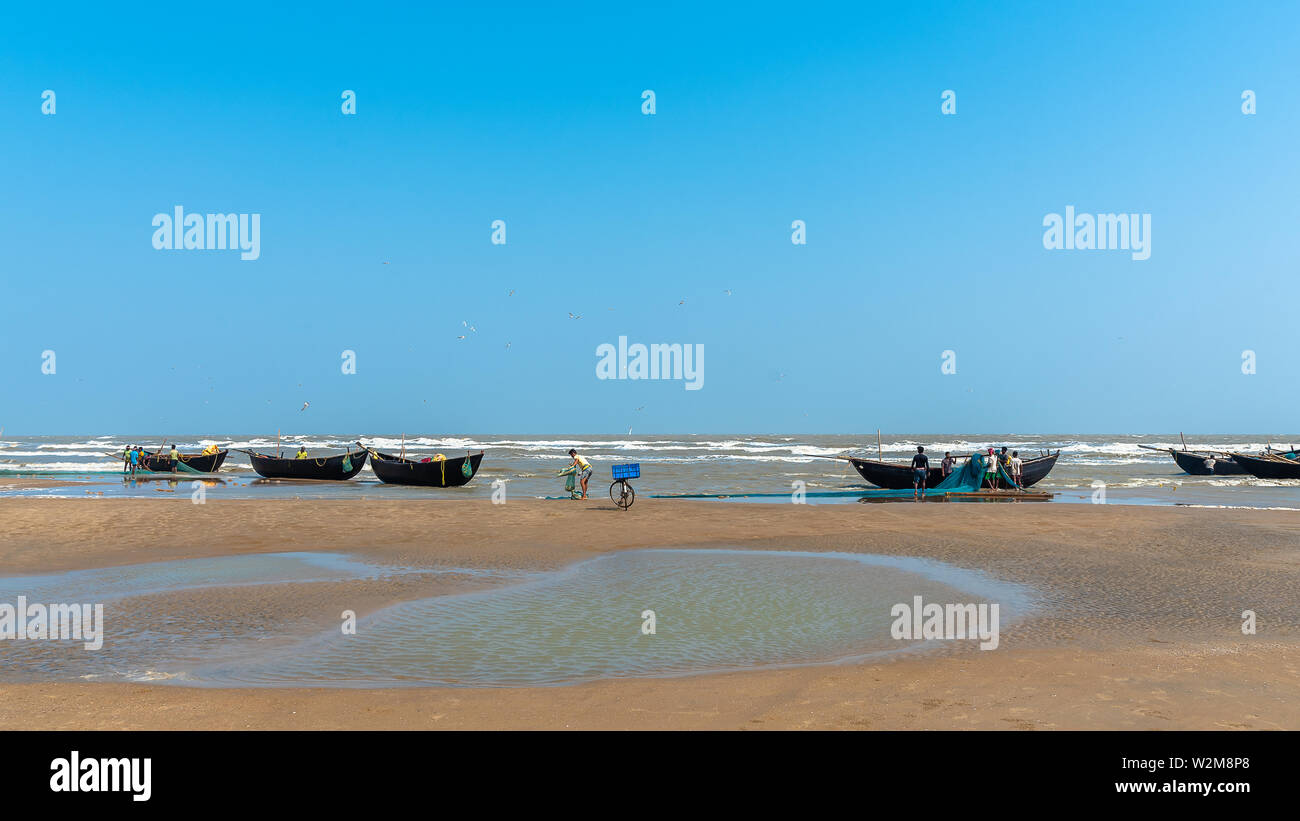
[{"x": 924, "y": 231}]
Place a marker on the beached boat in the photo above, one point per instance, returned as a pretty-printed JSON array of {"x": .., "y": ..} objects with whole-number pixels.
[
  {"x": 189, "y": 462},
  {"x": 396, "y": 470},
  {"x": 899, "y": 476},
  {"x": 1270, "y": 465},
  {"x": 1193, "y": 461},
  {"x": 331, "y": 468}
]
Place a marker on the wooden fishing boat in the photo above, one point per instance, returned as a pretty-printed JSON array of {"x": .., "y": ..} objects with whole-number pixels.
[
  {"x": 1270, "y": 465},
  {"x": 161, "y": 462},
  {"x": 1193, "y": 461},
  {"x": 395, "y": 470},
  {"x": 899, "y": 476},
  {"x": 332, "y": 468}
]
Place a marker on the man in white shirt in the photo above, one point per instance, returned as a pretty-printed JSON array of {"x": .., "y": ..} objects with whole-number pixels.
[{"x": 1016, "y": 467}]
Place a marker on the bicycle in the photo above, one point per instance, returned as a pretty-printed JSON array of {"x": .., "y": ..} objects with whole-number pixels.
[{"x": 620, "y": 490}]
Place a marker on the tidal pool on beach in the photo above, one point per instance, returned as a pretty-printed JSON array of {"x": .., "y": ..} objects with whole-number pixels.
[{"x": 713, "y": 610}]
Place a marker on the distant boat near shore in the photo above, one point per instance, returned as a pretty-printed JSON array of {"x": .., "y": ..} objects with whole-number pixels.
[
  {"x": 1271, "y": 464},
  {"x": 162, "y": 462},
  {"x": 331, "y": 468},
  {"x": 396, "y": 470},
  {"x": 896, "y": 476},
  {"x": 1193, "y": 461}
]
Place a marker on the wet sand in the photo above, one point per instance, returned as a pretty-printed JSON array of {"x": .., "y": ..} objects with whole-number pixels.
[{"x": 1140, "y": 627}]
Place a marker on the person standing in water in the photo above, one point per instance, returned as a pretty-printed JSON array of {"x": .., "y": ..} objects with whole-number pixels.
[
  {"x": 584, "y": 470},
  {"x": 947, "y": 463},
  {"x": 920, "y": 472}
]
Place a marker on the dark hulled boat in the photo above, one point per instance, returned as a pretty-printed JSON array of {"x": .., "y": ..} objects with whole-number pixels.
[
  {"x": 899, "y": 477},
  {"x": 1193, "y": 462},
  {"x": 1270, "y": 466},
  {"x": 332, "y": 468},
  {"x": 442, "y": 473},
  {"x": 196, "y": 462}
]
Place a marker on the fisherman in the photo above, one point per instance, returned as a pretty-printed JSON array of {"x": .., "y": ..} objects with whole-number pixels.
[
  {"x": 302, "y": 452},
  {"x": 126, "y": 460},
  {"x": 584, "y": 470},
  {"x": 991, "y": 469},
  {"x": 1209, "y": 464},
  {"x": 920, "y": 472},
  {"x": 134, "y": 455},
  {"x": 947, "y": 463},
  {"x": 175, "y": 457},
  {"x": 1017, "y": 469}
]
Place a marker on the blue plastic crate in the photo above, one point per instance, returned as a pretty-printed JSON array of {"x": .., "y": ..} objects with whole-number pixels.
[{"x": 626, "y": 471}]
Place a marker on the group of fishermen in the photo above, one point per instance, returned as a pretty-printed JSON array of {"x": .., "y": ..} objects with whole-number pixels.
[
  {"x": 133, "y": 458},
  {"x": 1010, "y": 464}
]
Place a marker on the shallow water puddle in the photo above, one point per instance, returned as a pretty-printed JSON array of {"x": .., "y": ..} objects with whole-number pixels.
[
  {"x": 103, "y": 584},
  {"x": 713, "y": 610},
  {"x": 710, "y": 610}
]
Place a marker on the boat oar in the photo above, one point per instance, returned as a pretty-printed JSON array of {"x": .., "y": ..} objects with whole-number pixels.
[{"x": 373, "y": 454}]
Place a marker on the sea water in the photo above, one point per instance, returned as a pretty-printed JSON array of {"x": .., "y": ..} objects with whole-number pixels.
[{"x": 525, "y": 466}]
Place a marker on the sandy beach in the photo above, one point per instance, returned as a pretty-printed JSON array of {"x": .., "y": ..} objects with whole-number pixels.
[{"x": 1140, "y": 628}]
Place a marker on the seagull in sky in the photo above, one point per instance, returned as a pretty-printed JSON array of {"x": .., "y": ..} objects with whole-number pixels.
[
  {"x": 304, "y": 407},
  {"x": 571, "y": 316}
]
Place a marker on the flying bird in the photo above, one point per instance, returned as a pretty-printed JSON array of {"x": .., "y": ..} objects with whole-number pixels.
[
  {"x": 304, "y": 407},
  {"x": 507, "y": 346},
  {"x": 571, "y": 316},
  {"x": 512, "y": 292},
  {"x": 462, "y": 336},
  {"x": 727, "y": 292},
  {"x": 683, "y": 302}
]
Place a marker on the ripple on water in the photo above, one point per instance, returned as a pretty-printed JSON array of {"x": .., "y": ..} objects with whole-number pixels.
[{"x": 715, "y": 610}]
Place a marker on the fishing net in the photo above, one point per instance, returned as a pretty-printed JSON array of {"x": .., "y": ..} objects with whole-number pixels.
[{"x": 970, "y": 476}]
